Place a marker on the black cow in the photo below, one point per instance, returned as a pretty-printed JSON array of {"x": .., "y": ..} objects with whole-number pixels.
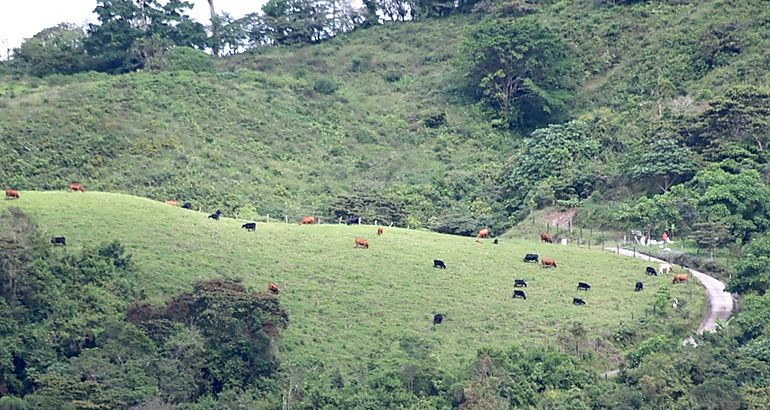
[
  {"x": 583, "y": 286},
  {"x": 215, "y": 216},
  {"x": 187, "y": 205},
  {"x": 531, "y": 257},
  {"x": 519, "y": 283},
  {"x": 639, "y": 287},
  {"x": 352, "y": 220},
  {"x": 651, "y": 271},
  {"x": 439, "y": 264},
  {"x": 495, "y": 241},
  {"x": 577, "y": 301},
  {"x": 438, "y": 318},
  {"x": 58, "y": 240},
  {"x": 519, "y": 294},
  {"x": 249, "y": 226}
]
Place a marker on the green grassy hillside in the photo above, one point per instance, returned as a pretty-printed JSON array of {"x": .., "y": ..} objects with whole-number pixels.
[
  {"x": 349, "y": 305},
  {"x": 382, "y": 110}
]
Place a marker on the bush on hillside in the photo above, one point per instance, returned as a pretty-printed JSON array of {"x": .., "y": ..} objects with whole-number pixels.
[
  {"x": 325, "y": 86},
  {"x": 186, "y": 58}
]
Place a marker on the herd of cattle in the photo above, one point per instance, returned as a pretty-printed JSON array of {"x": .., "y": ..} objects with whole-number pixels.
[
  {"x": 364, "y": 244},
  {"x": 551, "y": 263}
]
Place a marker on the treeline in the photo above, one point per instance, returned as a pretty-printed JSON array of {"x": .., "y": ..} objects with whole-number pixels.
[{"x": 136, "y": 34}]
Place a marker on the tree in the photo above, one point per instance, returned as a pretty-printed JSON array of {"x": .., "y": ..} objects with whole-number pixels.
[
  {"x": 741, "y": 201},
  {"x": 563, "y": 162},
  {"x": 132, "y": 31},
  {"x": 518, "y": 68},
  {"x": 666, "y": 162},
  {"x": 291, "y": 22},
  {"x": 55, "y": 50},
  {"x": 752, "y": 273},
  {"x": 741, "y": 115},
  {"x": 710, "y": 235}
]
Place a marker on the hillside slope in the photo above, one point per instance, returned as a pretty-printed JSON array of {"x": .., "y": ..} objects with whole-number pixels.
[
  {"x": 349, "y": 306},
  {"x": 377, "y": 114}
]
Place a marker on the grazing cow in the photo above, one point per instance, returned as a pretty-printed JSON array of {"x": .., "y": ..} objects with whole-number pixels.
[
  {"x": 439, "y": 264},
  {"x": 519, "y": 283},
  {"x": 544, "y": 237},
  {"x": 651, "y": 271},
  {"x": 171, "y": 202},
  {"x": 484, "y": 233},
  {"x": 273, "y": 288},
  {"x": 362, "y": 243},
  {"x": 187, "y": 205},
  {"x": 380, "y": 230},
  {"x": 519, "y": 294},
  {"x": 59, "y": 240},
  {"x": 352, "y": 220},
  {"x": 531, "y": 257},
  {"x": 495, "y": 241},
  {"x": 679, "y": 279},
  {"x": 578, "y": 301},
  {"x": 215, "y": 216},
  {"x": 583, "y": 286},
  {"x": 308, "y": 220},
  {"x": 438, "y": 318},
  {"x": 665, "y": 267},
  {"x": 639, "y": 287},
  {"x": 546, "y": 262},
  {"x": 76, "y": 187},
  {"x": 249, "y": 226},
  {"x": 11, "y": 194}
]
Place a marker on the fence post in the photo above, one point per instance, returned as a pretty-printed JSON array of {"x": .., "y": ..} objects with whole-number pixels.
[
  {"x": 359, "y": 220},
  {"x": 268, "y": 218},
  {"x": 569, "y": 225},
  {"x": 375, "y": 222},
  {"x": 634, "y": 251},
  {"x": 557, "y": 227},
  {"x": 602, "y": 240},
  {"x": 286, "y": 217},
  {"x": 340, "y": 221},
  {"x": 547, "y": 227},
  {"x": 319, "y": 220},
  {"x": 617, "y": 249}
]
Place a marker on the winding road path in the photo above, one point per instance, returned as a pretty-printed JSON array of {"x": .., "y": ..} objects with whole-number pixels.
[{"x": 720, "y": 303}]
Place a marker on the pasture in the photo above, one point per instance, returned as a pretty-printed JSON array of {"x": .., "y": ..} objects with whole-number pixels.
[{"x": 347, "y": 304}]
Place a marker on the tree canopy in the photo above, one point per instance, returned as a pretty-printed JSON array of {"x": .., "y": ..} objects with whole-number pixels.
[{"x": 517, "y": 68}]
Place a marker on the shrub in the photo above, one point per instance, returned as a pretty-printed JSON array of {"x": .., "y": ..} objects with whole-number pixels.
[
  {"x": 324, "y": 86},
  {"x": 186, "y": 58}
]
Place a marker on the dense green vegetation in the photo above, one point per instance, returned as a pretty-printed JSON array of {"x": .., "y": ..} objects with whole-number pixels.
[{"x": 646, "y": 114}]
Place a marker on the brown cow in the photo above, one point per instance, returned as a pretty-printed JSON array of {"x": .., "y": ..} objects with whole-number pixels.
[
  {"x": 484, "y": 233},
  {"x": 11, "y": 194},
  {"x": 171, "y": 202},
  {"x": 76, "y": 187},
  {"x": 308, "y": 220},
  {"x": 546, "y": 262},
  {"x": 544, "y": 237},
  {"x": 273, "y": 288},
  {"x": 380, "y": 230},
  {"x": 679, "y": 279},
  {"x": 362, "y": 243}
]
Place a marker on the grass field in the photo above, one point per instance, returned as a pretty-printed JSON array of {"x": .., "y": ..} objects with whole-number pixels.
[{"x": 346, "y": 304}]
